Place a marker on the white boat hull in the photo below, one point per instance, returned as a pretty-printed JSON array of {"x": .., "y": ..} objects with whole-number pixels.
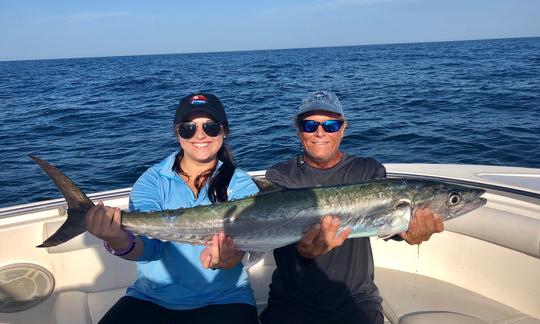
[{"x": 485, "y": 268}]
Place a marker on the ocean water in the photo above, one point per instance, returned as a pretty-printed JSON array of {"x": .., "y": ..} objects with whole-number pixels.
[{"x": 104, "y": 121}]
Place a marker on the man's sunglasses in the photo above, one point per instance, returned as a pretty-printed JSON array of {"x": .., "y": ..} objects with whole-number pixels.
[
  {"x": 187, "y": 130},
  {"x": 311, "y": 126}
]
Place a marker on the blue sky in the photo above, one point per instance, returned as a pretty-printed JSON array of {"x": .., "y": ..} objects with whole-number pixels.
[{"x": 32, "y": 29}]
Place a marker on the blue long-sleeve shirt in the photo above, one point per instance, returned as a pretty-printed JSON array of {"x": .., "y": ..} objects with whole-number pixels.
[{"x": 170, "y": 274}]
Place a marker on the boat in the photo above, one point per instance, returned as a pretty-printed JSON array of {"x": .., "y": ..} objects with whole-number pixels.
[{"x": 484, "y": 268}]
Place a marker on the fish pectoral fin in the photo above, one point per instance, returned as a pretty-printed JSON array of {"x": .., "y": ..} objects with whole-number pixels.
[
  {"x": 397, "y": 217},
  {"x": 253, "y": 257},
  {"x": 402, "y": 203}
]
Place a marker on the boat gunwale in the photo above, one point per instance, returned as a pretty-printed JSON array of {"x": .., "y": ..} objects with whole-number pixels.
[
  {"x": 60, "y": 203},
  {"x": 463, "y": 182}
]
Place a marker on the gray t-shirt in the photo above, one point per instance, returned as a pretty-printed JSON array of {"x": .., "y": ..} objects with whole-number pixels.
[{"x": 342, "y": 278}]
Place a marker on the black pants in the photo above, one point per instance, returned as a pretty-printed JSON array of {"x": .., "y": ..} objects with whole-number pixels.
[
  {"x": 281, "y": 312},
  {"x": 133, "y": 310}
]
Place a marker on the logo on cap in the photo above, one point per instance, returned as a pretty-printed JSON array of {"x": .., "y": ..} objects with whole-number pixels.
[
  {"x": 198, "y": 100},
  {"x": 320, "y": 97}
]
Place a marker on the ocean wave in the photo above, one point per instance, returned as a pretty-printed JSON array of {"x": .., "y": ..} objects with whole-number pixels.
[{"x": 105, "y": 120}]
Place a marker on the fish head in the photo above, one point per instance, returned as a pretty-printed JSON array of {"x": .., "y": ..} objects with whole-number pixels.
[{"x": 449, "y": 200}]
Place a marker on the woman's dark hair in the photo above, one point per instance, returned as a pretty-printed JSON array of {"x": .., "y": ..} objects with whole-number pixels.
[{"x": 219, "y": 183}]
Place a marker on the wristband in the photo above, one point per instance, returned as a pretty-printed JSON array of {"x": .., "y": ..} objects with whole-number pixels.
[{"x": 121, "y": 252}]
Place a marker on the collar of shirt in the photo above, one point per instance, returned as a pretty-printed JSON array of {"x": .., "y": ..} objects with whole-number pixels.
[{"x": 165, "y": 167}]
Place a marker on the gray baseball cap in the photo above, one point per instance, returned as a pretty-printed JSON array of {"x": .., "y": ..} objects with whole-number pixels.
[{"x": 320, "y": 100}]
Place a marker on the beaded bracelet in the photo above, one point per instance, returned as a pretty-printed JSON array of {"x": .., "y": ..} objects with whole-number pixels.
[{"x": 121, "y": 252}]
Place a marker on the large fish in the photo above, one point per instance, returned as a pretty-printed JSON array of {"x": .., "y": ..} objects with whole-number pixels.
[{"x": 267, "y": 221}]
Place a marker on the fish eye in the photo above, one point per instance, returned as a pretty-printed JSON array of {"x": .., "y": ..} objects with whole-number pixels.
[{"x": 453, "y": 199}]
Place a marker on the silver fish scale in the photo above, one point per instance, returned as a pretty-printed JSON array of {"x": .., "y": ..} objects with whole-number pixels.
[{"x": 267, "y": 221}]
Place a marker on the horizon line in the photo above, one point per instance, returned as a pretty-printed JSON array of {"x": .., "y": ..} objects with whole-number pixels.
[{"x": 263, "y": 49}]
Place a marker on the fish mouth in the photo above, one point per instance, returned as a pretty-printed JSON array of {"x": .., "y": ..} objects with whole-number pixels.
[
  {"x": 477, "y": 203},
  {"x": 470, "y": 206}
]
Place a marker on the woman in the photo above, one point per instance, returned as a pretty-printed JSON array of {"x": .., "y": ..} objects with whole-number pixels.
[{"x": 178, "y": 282}]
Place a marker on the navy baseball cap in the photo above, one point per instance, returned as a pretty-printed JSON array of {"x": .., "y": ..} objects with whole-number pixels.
[
  {"x": 201, "y": 102},
  {"x": 320, "y": 100}
]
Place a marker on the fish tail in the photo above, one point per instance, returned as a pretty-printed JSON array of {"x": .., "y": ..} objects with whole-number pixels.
[{"x": 78, "y": 204}]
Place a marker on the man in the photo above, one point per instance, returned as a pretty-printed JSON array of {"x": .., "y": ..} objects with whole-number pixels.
[{"x": 325, "y": 278}]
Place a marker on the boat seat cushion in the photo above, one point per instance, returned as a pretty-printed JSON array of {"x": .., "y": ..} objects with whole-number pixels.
[
  {"x": 100, "y": 303},
  {"x": 83, "y": 241},
  {"x": 415, "y": 299},
  {"x": 71, "y": 307},
  {"x": 83, "y": 307}
]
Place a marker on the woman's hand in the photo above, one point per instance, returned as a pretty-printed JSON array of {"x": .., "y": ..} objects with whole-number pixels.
[
  {"x": 321, "y": 238},
  {"x": 220, "y": 253},
  {"x": 104, "y": 223}
]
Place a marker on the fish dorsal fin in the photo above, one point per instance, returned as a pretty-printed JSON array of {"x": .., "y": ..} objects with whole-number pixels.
[{"x": 266, "y": 186}]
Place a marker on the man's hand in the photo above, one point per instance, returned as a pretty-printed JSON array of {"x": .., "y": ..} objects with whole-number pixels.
[
  {"x": 220, "y": 253},
  {"x": 321, "y": 238},
  {"x": 423, "y": 224}
]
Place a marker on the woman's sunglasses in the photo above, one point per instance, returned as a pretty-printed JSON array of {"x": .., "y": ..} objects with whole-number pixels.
[
  {"x": 329, "y": 126},
  {"x": 187, "y": 130}
]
